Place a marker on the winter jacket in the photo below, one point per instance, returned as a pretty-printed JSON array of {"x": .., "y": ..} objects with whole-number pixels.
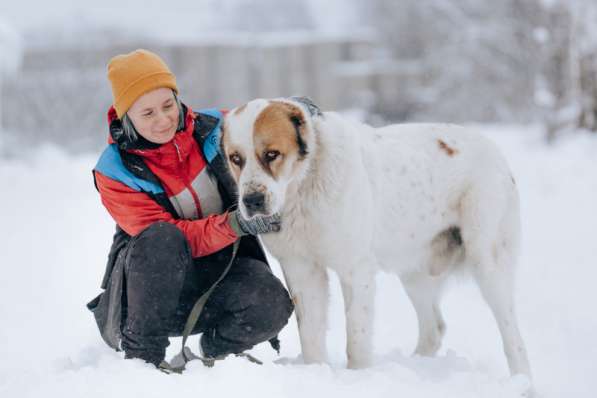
[{"x": 184, "y": 182}]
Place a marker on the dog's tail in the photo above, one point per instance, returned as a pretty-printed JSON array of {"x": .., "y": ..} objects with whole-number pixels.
[{"x": 447, "y": 251}]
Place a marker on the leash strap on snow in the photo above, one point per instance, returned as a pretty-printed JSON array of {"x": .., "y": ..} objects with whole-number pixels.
[{"x": 179, "y": 362}]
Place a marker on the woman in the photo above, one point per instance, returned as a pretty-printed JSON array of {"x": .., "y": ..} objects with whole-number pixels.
[{"x": 163, "y": 181}]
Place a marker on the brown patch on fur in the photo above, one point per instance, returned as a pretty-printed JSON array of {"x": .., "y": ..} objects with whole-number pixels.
[
  {"x": 446, "y": 148},
  {"x": 239, "y": 110},
  {"x": 274, "y": 131}
]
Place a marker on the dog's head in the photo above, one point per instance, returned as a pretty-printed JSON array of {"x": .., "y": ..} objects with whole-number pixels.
[{"x": 267, "y": 144}]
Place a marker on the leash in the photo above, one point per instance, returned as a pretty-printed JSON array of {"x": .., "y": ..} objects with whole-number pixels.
[{"x": 178, "y": 363}]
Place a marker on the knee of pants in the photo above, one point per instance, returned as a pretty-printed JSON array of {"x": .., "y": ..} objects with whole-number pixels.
[
  {"x": 280, "y": 305},
  {"x": 162, "y": 233},
  {"x": 158, "y": 248},
  {"x": 271, "y": 303}
]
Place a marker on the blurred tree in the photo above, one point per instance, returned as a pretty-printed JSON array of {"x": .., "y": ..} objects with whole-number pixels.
[
  {"x": 585, "y": 63},
  {"x": 569, "y": 75},
  {"x": 480, "y": 59}
]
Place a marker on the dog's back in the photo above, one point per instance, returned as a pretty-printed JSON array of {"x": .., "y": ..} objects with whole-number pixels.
[{"x": 432, "y": 186}]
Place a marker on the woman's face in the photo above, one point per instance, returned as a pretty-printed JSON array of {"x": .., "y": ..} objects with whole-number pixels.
[{"x": 155, "y": 115}]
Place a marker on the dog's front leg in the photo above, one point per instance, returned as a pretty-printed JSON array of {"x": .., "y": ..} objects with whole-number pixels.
[
  {"x": 308, "y": 285},
  {"x": 358, "y": 289}
]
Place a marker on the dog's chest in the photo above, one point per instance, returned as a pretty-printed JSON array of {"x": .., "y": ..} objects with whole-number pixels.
[{"x": 303, "y": 234}]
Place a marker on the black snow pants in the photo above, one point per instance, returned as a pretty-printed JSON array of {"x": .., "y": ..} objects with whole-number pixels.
[{"x": 162, "y": 282}]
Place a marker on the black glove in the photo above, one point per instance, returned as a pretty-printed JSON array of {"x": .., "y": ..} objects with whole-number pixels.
[{"x": 254, "y": 226}]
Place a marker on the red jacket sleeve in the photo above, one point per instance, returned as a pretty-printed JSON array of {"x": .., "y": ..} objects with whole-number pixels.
[{"x": 134, "y": 211}]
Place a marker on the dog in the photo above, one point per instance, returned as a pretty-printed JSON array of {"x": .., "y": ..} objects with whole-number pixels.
[{"x": 423, "y": 201}]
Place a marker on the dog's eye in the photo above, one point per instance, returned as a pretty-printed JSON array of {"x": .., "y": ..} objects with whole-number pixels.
[
  {"x": 236, "y": 159},
  {"x": 270, "y": 156}
]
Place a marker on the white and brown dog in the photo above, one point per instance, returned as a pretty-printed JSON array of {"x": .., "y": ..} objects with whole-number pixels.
[{"x": 420, "y": 200}]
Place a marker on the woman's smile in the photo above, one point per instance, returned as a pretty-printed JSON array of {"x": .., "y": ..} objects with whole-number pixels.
[{"x": 155, "y": 115}]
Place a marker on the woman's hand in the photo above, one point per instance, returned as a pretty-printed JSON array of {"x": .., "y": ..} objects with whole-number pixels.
[{"x": 254, "y": 226}]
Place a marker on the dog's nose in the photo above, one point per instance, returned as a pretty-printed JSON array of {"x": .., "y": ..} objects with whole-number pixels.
[{"x": 254, "y": 201}]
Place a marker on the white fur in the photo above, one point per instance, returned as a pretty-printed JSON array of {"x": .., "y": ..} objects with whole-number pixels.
[{"x": 367, "y": 199}]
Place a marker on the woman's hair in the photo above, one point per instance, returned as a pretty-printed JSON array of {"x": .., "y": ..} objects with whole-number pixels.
[{"x": 131, "y": 132}]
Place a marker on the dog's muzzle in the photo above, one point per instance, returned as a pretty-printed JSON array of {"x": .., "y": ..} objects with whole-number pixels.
[{"x": 254, "y": 203}]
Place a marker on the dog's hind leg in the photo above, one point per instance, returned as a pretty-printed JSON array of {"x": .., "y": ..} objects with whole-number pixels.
[
  {"x": 491, "y": 237},
  {"x": 308, "y": 285},
  {"x": 496, "y": 285},
  {"x": 424, "y": 292},
  {"x": 358, "y": 290}
]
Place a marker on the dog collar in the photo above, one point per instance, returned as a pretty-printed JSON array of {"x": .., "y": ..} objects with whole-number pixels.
[{"x": 309, "y": 104}]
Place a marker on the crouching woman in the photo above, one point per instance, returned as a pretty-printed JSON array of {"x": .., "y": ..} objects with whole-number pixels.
[{"x": 162, "y": 180}]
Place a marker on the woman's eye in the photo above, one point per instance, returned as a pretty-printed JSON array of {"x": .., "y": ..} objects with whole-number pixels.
[
  {"x": 168, "y": 106},
  {"x": 270, "y": 156},
  {"x": 147, "y": 114}
]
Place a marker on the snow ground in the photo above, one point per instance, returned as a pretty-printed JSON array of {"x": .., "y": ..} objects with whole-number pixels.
[{"x": 56, "y": 235}]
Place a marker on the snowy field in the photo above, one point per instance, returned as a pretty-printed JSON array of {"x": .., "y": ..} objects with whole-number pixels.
[{"x": 55, "y": 237}]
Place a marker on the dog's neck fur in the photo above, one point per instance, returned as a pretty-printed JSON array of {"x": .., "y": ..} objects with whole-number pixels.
[{"x": 324, "y": 174}]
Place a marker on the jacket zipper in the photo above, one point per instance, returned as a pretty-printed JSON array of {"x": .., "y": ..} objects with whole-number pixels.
[
  {"x": 178, "y": 152},
  {"x": 186, "y": 182}
]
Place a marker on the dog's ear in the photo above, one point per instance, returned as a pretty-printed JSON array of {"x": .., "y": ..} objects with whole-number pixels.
[{"x": 297, "y": 118}]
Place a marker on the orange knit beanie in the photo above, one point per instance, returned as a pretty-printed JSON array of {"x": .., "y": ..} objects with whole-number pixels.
[{"x": 135, "y": 74}]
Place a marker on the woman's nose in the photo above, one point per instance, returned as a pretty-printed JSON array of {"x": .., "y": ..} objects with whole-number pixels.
[{"x": 163, "y": 120}]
